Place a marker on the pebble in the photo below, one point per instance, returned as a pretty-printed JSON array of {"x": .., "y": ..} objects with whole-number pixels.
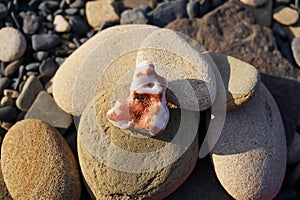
[
  {"x": 40, "y": 55},
  {"x": 3, "y": 11},
  {"x": 32, "y": 66},
  {"x": 250, "y": 155},
  {"x": 296, "y": 49},
  {"x": 286, "y": 15},
  {"x": 11, "y": 93},
  {"x": 30, "y": 90},
  {"x": 166, "y": 12},
  {"x": 133, "y": 17},
  {"x": 39, "y": 155},
  {"x": 78, "y": 25},
  {"x": 193, "y": 9},
  {"x": 44, "y": 108},
  {"x": 48, "y": 67},
  {"x": 241, "y": 80},
  {"x": 99, "y": 12},
  {"x": 44, "y": 42},
  {"x": 67, "y": 72},
  {"x": 8, "y": 114},
  {"x": 12, "y": 67},
  {"x": 4, "y": 83},
  {"x": 254, "y": 3},
  {"x": 143, "y": 176},
  {"x": 49, "y": 6},
  {"x": 263, "y": 14},
  {"x": 13, "y": 44},
  {"x": 7, "y": 101},
  {"x": 71, "y": 11},
  {"x": 77, "y": 4},
  {"x": 31, "y": 22},
  {"x": 61, "y": 25}
]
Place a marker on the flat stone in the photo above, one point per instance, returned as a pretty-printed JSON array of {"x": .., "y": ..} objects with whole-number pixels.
[
  {"x": 155, "y": 167},
  {"x": 98, "y": 12},
  {"x": 44, "y": 108},
  {"x": 254, "y": 3},
  {"x": 33, "y": 66},
  {"x": 8, "y": 114},
  {"x": 166, "y": 12},
  {"x": 13, "y": 44},
  {"x": 296, "y": 49},
  {"x": 39, "y": 155},
  {"x": 250, "y": 155},
  {"x": 61, "y": 25},
  {"x": 30, "y": 90},
  {"x": 133, "y": 17},
  {"x": 4, "y": 194},
  {"x": 12, "y": 67},
  {"x": 31, "y": 22},
  {"x": 48, "y": 67},
  {"x": 44, "y": 42},
  {"x": 286, "y": 15},
  {"x": 241, "y": 80}
]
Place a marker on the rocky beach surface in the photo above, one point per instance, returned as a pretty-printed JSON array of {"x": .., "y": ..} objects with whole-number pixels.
[{"x": 53, "y": 103}]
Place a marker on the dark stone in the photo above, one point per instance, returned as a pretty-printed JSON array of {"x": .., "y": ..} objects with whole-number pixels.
[
  {"x": 48, "y": 67},
  {"x": 143, "y": 8},
  {"x": 78, "y": 25},
  {"x": 32, "y": 66},
  {"x": 166, "y": 12},
  {"x": 45, "y": 108},
  {"x": 133, "y": 17},
  {"x": 231, "y": 29},
  {"x": 31, "y": 73},
  {"x": 77, "y": 4},
  {"x": 12, "y": 67},
  {"x": 31, "y": 22},
  {"x": 49, "y": 6},
  {"x": 71, "y": 11},
  {"x": 4, "y": 84},
  {"x": 193, "y": 9},
  {"x": 8, "y": 114},
  {"x": 44, "y": 42},
  {"x": 34, "y": 4},
  {"x": 3, "y": 11}
]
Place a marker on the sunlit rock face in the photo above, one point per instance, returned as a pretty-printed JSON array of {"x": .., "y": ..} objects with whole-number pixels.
[{"x": 145, "y": 110}]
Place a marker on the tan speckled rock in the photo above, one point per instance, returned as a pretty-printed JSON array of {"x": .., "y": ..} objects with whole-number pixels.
[
  {"x": 37, "y": 163},
  {"x": 119, "y": 164},
  {"x": 250, "y": 156},
  {"x": 4, "y": 194},
  {"x": 98, "y": 12},
  {"x": 67, "y": 72},
  {"x": 13, "y": 44},
  {"x": 286, "y": 15},
  {"x": 241, "y": 80}
]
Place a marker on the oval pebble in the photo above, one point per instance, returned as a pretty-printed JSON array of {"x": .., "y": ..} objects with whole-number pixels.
[
  {"x": 286, "y": 15},
  {"x": 122, "y": 165},
  {"x": 8, "y": 114},
  {"x": 13, "y": 44},
  {"x": 43, "y": 163},
  {"x": 241, "y": 80},
  {"x": 250, "y": 156}
]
